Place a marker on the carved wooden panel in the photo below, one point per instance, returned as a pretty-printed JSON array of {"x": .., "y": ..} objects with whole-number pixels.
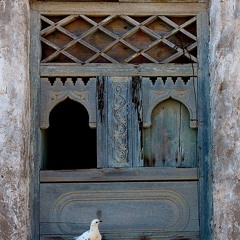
[
  {"x": 55, "y": 90},
  {"x": 118, "y": 127},
  {"x": 170, "y": 121},
  {"x": 156, "y": 90},
  {"x": 125, "y": 105},
  {"x": 79, "y": 38},
  {"x": 118, "y": 124},
  {"x": 128, "y": 210}
]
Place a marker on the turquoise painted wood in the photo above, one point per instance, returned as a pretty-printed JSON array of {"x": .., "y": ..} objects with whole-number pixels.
[
  {"x": 118, "y": 126},
  {"x": 133, "y": 201},
  {"x": 204, "y": 147},
  {"x": 170, "y": 142},
  {"x": 129, "y": 210}
]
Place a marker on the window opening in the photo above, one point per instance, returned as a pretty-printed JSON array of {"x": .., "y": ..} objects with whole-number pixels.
[{"x": 70, "y": 142}]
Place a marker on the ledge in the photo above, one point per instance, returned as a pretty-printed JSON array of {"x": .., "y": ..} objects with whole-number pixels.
[{"x": 120, "y": 174}]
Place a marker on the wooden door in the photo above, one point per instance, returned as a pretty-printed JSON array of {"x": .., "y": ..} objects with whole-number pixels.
[{"x": 138, "y": 84}]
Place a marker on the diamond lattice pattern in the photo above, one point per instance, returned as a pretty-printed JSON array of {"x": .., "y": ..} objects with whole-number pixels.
[{"x": 118, "y": 39}]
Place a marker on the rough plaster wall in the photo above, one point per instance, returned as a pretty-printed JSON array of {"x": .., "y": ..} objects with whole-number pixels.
[
  {"x": 14, "y": 120},
  {"x": 225, "y": 104}
]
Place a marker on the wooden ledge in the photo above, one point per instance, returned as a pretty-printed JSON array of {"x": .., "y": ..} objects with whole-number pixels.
[
  {"x": 142, "y": 8},
  {"x": 120, "y": 174}
]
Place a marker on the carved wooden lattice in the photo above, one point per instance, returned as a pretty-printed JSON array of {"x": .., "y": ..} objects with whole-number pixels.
[{"x": 118, "y": 39}]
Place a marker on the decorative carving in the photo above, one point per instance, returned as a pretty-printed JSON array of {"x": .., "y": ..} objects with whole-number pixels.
[
  {"x": 54, "y": 92},
  {"x": 119, "y": 128},
  {"x": 179, "y": 89},
  {"x": 120, "y": 114},
  {"x": 70, "y": 211}
]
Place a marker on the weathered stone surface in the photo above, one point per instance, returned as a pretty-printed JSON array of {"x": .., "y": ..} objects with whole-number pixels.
[
  {"x": 225, "y": 117},
  {"x": 14, "y": 120}
]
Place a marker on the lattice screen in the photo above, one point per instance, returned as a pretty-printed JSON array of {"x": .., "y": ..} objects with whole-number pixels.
[{"x": 118, "y": 39}]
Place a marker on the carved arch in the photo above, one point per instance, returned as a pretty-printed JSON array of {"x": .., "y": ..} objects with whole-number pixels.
[
  {"x": 53, "y": 94},
  {"x": 163, "y": 89}
]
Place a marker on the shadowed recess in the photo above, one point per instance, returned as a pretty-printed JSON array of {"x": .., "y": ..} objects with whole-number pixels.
[{"x": 70, "y": 142}]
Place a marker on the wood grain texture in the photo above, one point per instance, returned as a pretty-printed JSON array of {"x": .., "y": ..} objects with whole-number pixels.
[
  {"x": 104, "y": 8},
  {"x": 120, "y": 174},
  {"x": 35, "y": 52},
  {"x": 204, "y": 136},
  {"x": 118, "y": 142},
  {"x": 159, "y": 210},
  {"x": 170, "y": 142},
  {"x": 120, "y": 70},
  {"x": 158, "y": 89}
]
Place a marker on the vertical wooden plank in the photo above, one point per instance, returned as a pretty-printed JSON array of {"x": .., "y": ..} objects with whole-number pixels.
[
  {"x": 102, "y": 119},
  {"x": 188, "y": 140},
  {"x": 165, "y": 134},
  {"x": 170, "y": 142},
  {"x": 204, "y": 136},
  {"x": 35, "y": 53},
  {"x": 136, "y": 137}
]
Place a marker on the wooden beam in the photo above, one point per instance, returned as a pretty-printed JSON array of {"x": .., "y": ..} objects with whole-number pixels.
[
  {"x": 76, "y": 70},
  {"x": 120, "y": 174},
  {"x": 120, "y": 8},
  {"x": 204, "y": 137},
  {"x": 35, "y": 52},
  {"x": 163, "y": 1}
]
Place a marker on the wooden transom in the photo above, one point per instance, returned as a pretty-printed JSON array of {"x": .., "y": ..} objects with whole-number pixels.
[{"x": 118, "y": 39}]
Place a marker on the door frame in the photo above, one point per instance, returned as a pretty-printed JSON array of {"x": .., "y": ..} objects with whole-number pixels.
[{"x": 204, "y": 134}]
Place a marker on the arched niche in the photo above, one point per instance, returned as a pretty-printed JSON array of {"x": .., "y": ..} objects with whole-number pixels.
[
  {"x": 170, "y": 141},
  {"x": 181, "y": 89},
  {"x": 69, "y": 142}
]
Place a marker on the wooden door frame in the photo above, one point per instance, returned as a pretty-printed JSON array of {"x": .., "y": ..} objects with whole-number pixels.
[
  {"x": 204, "y": 130},
  {"x": 204, "y": 134}
]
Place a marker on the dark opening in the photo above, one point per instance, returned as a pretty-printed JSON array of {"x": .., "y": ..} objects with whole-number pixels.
[{"x": 71, "y": 143}]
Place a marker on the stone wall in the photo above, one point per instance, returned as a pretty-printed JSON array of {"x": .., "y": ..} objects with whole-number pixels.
[
  {"x": 225, "y": 116},
  {"x": 14, "y": 120}
]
